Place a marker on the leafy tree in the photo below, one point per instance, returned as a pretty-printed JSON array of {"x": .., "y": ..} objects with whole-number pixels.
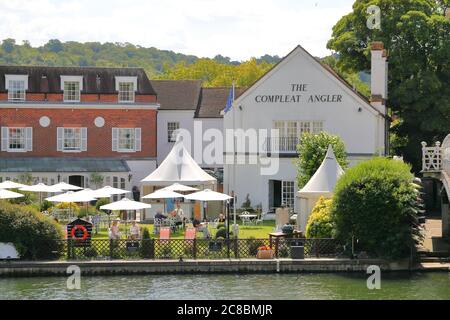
[
  {"x": 54, "y": 45},
  {"x": 417, "y": 37},
  {"x": 312, "y": 149},
  {"x": 320, "y": 224},
  {"x": 377, "y": 203},
  {"x": 8, "y": 45}
]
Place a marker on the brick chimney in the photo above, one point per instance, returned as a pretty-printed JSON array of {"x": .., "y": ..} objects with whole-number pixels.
[{"x": 378, "y": 76}]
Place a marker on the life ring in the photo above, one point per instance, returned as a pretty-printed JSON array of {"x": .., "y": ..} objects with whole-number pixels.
[{"x": 80, "y": 227}]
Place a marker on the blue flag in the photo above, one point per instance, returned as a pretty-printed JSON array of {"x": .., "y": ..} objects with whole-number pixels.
[{"x": 229, "y": 100}]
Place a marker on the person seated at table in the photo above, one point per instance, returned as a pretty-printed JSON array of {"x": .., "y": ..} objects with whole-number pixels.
[
  {"x": 176, "y": 218},
  {"x": 160, "y": 216},
  {"x": 221, "y": 218},
  {"x": 134, "y": 231},
  {"x": 196, "y": 223},
  {"x": 114, "y": 232}
]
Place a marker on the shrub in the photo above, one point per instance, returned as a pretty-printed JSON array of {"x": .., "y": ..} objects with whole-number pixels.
[
  {"x": 377, "y": 202},
  {"x": 221, "y": 233},
  {"x": 146, "y": 247},
  {"x": 101, "y": 202},
  {"x": 320, "y": 224},
  {"x": 67, "y": 206},
  {"x": 27, "y": 199},
  {"x": 34, "y": 235},
  {"x": 312, "y": 149},
  {"x": 253, "y": 245}
]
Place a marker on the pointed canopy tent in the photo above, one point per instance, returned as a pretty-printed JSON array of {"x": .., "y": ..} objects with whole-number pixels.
[
  {"x": 6, "y": 194},
  {"x": 179, "y": 167},
  {"x": 11, "y": 185},
  {"x": 321, "y": 184}
]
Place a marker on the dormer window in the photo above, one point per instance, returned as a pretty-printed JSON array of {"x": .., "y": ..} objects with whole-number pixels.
[
  {"x": 126, "y": 87},
  {"x": 72, "y": 86},
  {"x": 16, "y": 86}
]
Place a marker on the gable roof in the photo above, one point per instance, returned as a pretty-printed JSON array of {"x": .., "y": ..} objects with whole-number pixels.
[
  {"x": 325, "y": 67},
  {"x": 213, "y": 101},
  {"x": 177, "y": 94},
  {"x": 48, "y": 79}
]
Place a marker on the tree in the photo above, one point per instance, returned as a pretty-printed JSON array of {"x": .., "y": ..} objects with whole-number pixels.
[
  {"x": 417, "y": 37},
  {"x": 312, "y": 149},
  {"x": 320, "y": 224},
  {"x": 97, "y": 179},
  {"x": 376, "y": 203},
  {"x": 8, "y": 45}
]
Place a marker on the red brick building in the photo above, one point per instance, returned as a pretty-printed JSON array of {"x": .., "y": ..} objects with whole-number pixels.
[{"x": 65, "y": 123}]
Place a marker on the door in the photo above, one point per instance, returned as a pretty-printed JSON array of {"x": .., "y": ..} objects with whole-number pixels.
[
  {"x": 274, "y": 194},
  {"x": 77, "y": 181}
]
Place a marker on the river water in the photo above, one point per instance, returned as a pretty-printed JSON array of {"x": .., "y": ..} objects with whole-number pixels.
[{"x": 225, "y": 286}]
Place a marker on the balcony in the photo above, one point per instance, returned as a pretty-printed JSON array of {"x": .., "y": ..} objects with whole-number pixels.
[{"x": 281, "y": 145}]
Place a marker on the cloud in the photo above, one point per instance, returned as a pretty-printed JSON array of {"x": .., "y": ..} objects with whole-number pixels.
[{"x": 235, "y": 28}]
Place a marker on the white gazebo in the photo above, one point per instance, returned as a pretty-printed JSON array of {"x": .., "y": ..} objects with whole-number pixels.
[
  {"x": 321, "y": 184},
  {"x": 179, "y": 167}
]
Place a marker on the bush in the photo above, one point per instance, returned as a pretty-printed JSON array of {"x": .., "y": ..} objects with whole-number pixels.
[
  {"x": 27, "y": 199},
  {"x": 221, "y": 233},
  {"x": 146, "y": 248},
  {"x": 378, "y": 203},
  {"x": 101, "y": 202},
  {"x": 253, "y": 245},
  {"x": 34, "y": 235},
  {"x": 312, "y": 149},
  {"x": 320, "y": 224},
  {"x": 66, "y": 206}
]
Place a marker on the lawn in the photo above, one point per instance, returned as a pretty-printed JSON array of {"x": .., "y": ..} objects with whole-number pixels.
[{"x": 260, "y": 231}]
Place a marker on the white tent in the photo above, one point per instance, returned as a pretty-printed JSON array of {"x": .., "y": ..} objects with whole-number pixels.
[
  {"x": 321, "y": 184},
  {"x": 179, "y": 167}
]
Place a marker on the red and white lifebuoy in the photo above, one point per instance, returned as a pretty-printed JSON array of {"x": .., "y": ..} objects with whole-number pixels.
[{"x": 82, "y": 228}]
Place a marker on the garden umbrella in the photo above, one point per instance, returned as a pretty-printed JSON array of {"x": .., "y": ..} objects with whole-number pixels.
[
  {"x": 109, "y": 190},
  {"x": 6, "y": 194},
  {"x": 178, "y": 187},
  {"x": 66, "y": 187},
  {"x": 163, "y": 194},
  {"x": 11, "y": 185},
  {"x": 126, "y": 204},
  {"x": 71, "y": 197},
  {"x": 209, "y": 195},
  {"x": 40, "y": 188}
]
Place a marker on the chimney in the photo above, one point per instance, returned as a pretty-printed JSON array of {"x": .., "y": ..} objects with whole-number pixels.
[{"x": 378, "y": 76}]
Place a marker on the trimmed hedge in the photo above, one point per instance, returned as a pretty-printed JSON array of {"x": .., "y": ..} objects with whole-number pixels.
[
  {"x": 377, "y": 202},
  {"x": 320, "y": 224},
  {"x": 32, "y": 233}
]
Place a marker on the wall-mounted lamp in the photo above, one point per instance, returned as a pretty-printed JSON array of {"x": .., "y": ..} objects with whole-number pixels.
[
  {"x": 240, "y": 108},
  {"x": 359, "y": 109}
]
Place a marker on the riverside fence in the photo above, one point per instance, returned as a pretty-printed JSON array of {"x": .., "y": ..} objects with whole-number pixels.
[{"x": 106, "y": 249}]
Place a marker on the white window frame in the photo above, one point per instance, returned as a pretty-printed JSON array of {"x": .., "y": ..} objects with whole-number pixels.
[
  {"x": 27, "y": 139},
  {"x": 170, "y": 131},
  {"x": 61, "y": 139},
  {"x": 14, "y": 78},
  {"x": 288, "y": 193},
  {"x": 116, "y": 140},
  {"x": 71, "y": 79},
  {"x": 121, "y": 79},
  {"x": 131, "y": 139},
  {"x": 128, "y": 93}
]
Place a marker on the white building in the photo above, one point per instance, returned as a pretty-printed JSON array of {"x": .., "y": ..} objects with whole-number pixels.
[{"x": 300, "y": 94}]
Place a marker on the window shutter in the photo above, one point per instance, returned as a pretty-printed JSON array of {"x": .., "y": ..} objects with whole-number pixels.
[
  {"x": 59, "y": 138},
  {"x": 115, "y": 139},
  {"x": 83, "y": 139},
  {"x": 5, "y": 133},
  {"x": 29, "y": 139},
  {"x": 137, "y": 137}
]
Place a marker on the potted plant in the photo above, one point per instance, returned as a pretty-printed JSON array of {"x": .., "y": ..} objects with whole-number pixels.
[{"x": 264, "y": 252}]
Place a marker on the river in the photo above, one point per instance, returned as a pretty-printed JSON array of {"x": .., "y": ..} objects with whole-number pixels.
[{"x": 433, "y": 286}]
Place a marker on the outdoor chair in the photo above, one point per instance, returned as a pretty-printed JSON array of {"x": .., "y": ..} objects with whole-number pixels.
[
  {"x": 260, "y": 219},
  {"x": 164, "y": 233}
]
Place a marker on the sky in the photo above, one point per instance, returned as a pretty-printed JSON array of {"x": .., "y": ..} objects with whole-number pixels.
[{"x": 238, "y": 29}]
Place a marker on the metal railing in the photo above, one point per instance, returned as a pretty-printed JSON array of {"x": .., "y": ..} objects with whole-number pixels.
[
  {"x": 281, "y": 144},
  {"x": 106, "y": 249}
]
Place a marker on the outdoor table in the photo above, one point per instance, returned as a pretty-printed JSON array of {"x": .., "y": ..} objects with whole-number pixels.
[
  {"x": 247, "y": 217},
  {"x": 278, "y": 235}
]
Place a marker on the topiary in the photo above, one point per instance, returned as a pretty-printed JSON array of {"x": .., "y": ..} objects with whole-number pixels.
[
  {"x": 34, "y": 235},
  {"x": 320, "y": 224},
  {"x": 377, "y": 202},
  {"x": 146, "y": 248}
]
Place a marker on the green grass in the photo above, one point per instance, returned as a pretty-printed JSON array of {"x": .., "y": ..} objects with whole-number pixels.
[{"x": 260, "y": 231}]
